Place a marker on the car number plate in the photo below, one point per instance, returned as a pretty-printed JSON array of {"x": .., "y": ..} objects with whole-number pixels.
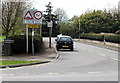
[{"x": 64, "y": 46}]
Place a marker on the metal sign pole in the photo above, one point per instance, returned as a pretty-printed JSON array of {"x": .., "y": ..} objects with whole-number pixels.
[
  {"x": 50, "y": 32},
  {"x": 27, "y": 38},
  {"x": 40, "y": 30},
  {"x": 31, "y": 16},
  {"x": 33, "y": 41},
  {"x": 50, "y": 37}
]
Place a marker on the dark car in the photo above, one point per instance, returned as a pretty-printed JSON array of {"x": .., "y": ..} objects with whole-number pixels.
[{"x": 64, "y": 42}]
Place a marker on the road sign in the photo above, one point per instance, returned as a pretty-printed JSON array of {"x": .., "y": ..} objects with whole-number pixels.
[
  {"x": 28, "y": 15},
  {"x": 38, "y": 15},
  {"x": 49, "y": 24},
  {"x": 32, "y": 16},
  {"x": 33, "y": 26}
]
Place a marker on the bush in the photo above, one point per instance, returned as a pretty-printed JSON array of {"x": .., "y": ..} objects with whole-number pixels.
[
  {"x": 45, "y": 34},
  {"x": 19, "y": 45},
  {"x": 100, "y": 37}
]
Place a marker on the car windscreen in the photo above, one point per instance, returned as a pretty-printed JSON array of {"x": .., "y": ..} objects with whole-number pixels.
[{"x": 65, "y": 39}]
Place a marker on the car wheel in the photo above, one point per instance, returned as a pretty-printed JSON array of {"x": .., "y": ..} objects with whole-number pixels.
[{"x": 71, "y": 49}]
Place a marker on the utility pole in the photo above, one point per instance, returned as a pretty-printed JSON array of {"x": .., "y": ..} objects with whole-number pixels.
[{"x": 50, "y": 21}]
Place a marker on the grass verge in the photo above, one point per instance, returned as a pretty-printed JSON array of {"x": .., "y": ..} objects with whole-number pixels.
[{"x": 15, "y": 62}]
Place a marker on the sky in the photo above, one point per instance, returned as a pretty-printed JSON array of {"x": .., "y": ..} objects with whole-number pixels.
[{"x": 76, "y": 7}]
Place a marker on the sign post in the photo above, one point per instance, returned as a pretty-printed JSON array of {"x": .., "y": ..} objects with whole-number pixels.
[
  {"x": 26, "y": 39},
  {"x": 28, "y": 19},
  {"x": 32, "y": 18},
  {"x": 33, "y": 26},
  {"x": 33, "y": 41},
  {"x": 38, "y": 15}
]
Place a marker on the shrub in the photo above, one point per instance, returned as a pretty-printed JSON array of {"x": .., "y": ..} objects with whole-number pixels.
[
  {"x": 100, "y": 37},
  {"x": 45, "y": 34},
  {"x": 19, "y": 45},
  {"x": 92, "y": 36},
  {"x": 113, "y": 38}
]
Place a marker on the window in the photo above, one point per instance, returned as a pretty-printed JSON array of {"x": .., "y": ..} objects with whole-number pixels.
[{"x": 65, "y": 39}]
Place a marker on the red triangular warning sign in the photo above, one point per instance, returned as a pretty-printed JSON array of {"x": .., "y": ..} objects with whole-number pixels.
[{"x": 28, "y": 15}]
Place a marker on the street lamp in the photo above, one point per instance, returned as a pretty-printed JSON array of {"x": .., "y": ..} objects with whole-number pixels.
[{"x": 79, "y": 29}]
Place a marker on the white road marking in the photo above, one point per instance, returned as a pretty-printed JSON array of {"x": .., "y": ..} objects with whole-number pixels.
[
  {"x": 109, "y": 57},
  {"x": 114, "y": 59},
  {"x": 101, "y": 54},
  {"x": 8, "y": 74},
  {"x": 105, "y": 55},
  {"x": 94, "y": 72},
  {"x": 53, "y": 73}
]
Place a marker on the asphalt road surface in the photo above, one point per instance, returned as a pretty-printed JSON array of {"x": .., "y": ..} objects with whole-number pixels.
[{"x": 85, "y": 63}]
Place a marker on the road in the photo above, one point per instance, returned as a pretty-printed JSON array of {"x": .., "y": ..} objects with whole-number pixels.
[{"x": 85, "y": 63}]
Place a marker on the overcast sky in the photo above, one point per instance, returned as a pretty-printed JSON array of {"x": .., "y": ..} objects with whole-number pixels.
[{"x": 76, "y": 7}]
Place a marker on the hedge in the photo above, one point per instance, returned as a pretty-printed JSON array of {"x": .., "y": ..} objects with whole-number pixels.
[
  {"x": 112, "y": 38},
  {"x": 19, "y": 45},
  {"x": 100, "y": 37}
]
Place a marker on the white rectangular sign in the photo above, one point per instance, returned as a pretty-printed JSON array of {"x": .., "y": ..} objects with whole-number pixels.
[{"x": 49, "y": 24}]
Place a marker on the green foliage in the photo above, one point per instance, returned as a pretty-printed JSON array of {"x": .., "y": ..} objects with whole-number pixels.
[
  {"x": 67, "y": 29},
  {"x": 113, "y": 38},
  {"x": 12, "y": 16},
  {"x": 2, "y": 38},
  {"x": 55, "y": 28},
  {"x": 96, "y": 21},
  {"x": 92, "y": 36},
  {"x": 17, "y": 32},
  {"x": 19, "y": 45}
]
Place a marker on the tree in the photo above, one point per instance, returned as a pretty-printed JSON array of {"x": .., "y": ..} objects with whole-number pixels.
[
  {"x": 98, "y": 21},
  {"x": 55, "y": 29},
  {"x": 62, "y": 17},
  {"x": 11, "y": 14},
  {"x": 61, "y": 14}
]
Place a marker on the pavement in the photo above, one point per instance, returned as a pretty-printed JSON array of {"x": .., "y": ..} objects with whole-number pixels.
[{"x": 46, "y": 55}]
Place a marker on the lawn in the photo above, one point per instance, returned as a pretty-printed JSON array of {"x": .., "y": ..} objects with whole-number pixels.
[{"x": 15, "y": 62}]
